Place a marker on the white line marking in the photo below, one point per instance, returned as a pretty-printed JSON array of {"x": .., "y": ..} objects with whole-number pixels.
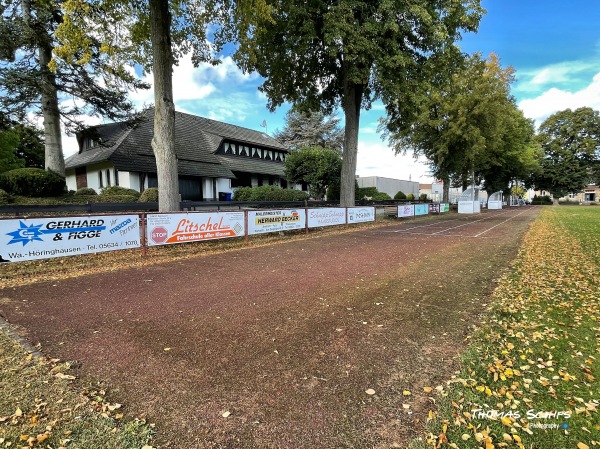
[{"x": 508, "y": 219}]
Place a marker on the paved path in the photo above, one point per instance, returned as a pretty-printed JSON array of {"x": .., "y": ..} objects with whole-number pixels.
[{"x": 287, "y": 337}]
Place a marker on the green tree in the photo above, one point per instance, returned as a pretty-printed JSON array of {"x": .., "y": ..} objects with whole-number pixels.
[
  {"x": 466, "y": 123},
  {"x": 323, "y": 54},
  {"x": 570, "y": 141},
  {"x": 311, "y": 129},
  {"x": 317, "y": 166},
  {"x": 30, "y": 148},
  {"x": 34, "y": 76},
  {"x": 8, "y": 142}
]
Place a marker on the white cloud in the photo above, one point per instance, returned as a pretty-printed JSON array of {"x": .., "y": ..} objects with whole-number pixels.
[
  {"x": 377, "y": 159},
  {"x": 188, "y": 83},
  {"x": 555, "y": 99},
  {"x": 567, "y": 73}
]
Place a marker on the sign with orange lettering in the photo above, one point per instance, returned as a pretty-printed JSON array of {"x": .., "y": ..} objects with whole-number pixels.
[{"x": 165, "y": 229}]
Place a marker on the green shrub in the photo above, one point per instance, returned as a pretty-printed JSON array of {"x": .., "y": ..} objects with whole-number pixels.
[
  {"x": 410, "y": 197},
  {"x": 34, "y": 182},
  {"x": 541, "y": 200},
  {"x": 117, "y": 190},
  {"x": 150, "y": 195},
  {"x": 268, "y": 193},
  {"x": 333, "y": 191},
  {"x": 423, "y": 197},
  {"x": 85, "y": 191},
  {"x": 5, "y": 198},
  {"x": 381, "y": 196},
  {"x": 112, "y": 199},
  {"x": 400, "y": 196},
  {"x": 242, "y": 194},
  {"x": 368, "y": 192}
]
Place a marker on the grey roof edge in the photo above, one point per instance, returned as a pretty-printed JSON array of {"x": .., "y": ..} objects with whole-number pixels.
[{"x": 99, "y": 148}]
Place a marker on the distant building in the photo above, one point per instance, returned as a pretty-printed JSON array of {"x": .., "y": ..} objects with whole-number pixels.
[
  {"x": 389, "y": 185},
  {"x": 589, "y": 194},
  {"x": 434, "y": 191}
]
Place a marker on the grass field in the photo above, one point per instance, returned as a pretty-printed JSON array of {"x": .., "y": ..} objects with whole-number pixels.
[
  {"x": 42, "y": 406},
  {"x": 529, "y": 378}
]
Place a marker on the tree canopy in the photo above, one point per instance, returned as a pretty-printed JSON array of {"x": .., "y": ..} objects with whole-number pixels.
[
  {"x": 319, "y": 167},
  {"x": 466, "y": 123},
  {"x": 34, "y": 78},
  {"x": 20, "y": 146},
  {"x": 570, "y": 141},
  {"x": 325, "y": 53},
  {"x": 311, "y": 129}
]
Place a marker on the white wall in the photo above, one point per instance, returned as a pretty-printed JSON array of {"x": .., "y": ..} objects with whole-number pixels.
[
  {"x": 133, "y": 180},
  {"x": 389, "y": 185},
  {"x": 224, "y": 185},
  {"x": 71, "y": 179}
]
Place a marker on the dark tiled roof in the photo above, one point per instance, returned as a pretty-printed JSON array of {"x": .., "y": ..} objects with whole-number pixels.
[
  {"x": 196, "y": 139},
  {"x": 231, "y": 132},
  {"x": 248, "y": 165}
]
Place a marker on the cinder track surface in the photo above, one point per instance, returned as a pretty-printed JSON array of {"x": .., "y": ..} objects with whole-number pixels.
[{"x": 286, "y": 337}]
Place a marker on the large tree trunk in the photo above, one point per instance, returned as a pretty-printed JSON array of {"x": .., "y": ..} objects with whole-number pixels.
[
  {"x": 163, "y": 142},
  {"x": 446, "y": 189},
  {"x": 351, "y": 104},
  {"x": 54, "y": 158}
]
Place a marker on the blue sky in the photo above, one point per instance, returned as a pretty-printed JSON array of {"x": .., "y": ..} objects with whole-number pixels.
[{"x": 553, "y": 45}]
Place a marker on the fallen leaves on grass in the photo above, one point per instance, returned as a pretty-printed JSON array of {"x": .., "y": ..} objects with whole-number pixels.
[
  {"x": 41, "y": 404},
  {"x": 534, "y": 362}
]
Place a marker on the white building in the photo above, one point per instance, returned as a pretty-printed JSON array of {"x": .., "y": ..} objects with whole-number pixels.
[{"x": 389, "y": 185}]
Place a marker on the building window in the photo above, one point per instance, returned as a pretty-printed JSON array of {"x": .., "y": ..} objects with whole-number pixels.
[
  {"x": 268, "y": 156},
  {"x": 100, "y": 179},
  {"x": 244, "y": 151},
  {"x": 228, "y": 149},
  {"x": 107, "y": 177},
  {"x": 256, "y": 153},
  {"x": 116, "y": 177}
]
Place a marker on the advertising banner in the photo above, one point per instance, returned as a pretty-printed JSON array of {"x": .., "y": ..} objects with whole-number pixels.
[
  {"x": 263, "y": 221},
  {"x": 444, "y": 207},
  {"x": 421, "y": 209},
  {"x": 434, "y": 208},
  {"x": 42, "y": 238},
  {"x": 166, "y": 229},
  {"x": 406, "y": 210},
  {"x": 361, "y": 214},
  {"x": 326, "y": 217}
]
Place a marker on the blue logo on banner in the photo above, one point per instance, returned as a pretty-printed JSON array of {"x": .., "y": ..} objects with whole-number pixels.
[{"x": 26, "y": 234}]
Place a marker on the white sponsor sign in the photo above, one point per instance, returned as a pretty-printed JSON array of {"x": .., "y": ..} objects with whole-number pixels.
[
  {"x": 406, "y": 210},
  {"x": 166, "y": 229},
  {"x": 361, "y": 214},
  {"x": 326, "y": 217},
  {"x": 43, "y": 238},
  {"x": 262, "y": 221}
]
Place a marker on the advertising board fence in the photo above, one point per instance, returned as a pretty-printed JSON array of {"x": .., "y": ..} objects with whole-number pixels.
[
  {"x": 264, "y": 221},
  {"x": 361, "y": 214},
  {"x": 327, "y": 216},
  {"x": 421, "y": 209},
  {"x": 406, "y": 210},
  {"x": 40, "y": 238},
  {"x": 43, "y": 238},
  {"x": 166, "y": 229}
]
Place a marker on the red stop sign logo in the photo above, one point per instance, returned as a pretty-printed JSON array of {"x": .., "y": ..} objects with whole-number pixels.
[{"x": 159, "y": 234}]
